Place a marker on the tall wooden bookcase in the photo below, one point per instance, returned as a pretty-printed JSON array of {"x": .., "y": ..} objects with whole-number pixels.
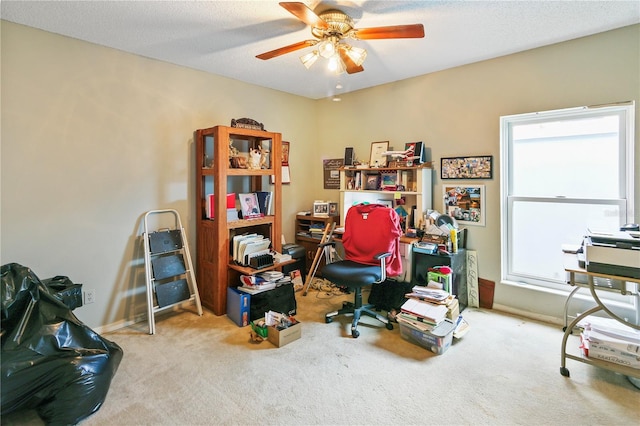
[{"x": 215, "y": 268}]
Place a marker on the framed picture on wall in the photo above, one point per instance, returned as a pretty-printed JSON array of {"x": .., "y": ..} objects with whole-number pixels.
[
  {"x": 466, "y": 203},
  {"x": 480, "y": 167}
]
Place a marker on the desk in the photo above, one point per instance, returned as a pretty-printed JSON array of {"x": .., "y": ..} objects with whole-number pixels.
[{"x": 572, "y": 268}]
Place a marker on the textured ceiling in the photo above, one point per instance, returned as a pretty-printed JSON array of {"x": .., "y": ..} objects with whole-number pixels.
[{"x": 223, "y": 37}]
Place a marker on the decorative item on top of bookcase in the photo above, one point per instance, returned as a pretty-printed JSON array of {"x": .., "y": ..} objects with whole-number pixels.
[
  {"x": 479, "y": 167},
  {"x": 377, "y": 157},
  {"x": 246, "y": 123},
  {"x": 466, "y": 203}
]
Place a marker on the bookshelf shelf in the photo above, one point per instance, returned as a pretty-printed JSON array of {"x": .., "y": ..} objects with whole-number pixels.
[{"x": 216, "y": 148}]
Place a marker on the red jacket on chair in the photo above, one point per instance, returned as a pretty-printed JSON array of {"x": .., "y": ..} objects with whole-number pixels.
[{"x": 371, "y": 229}]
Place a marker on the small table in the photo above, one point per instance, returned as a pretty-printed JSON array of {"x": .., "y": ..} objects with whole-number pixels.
[{"x": 572, "y": 267}]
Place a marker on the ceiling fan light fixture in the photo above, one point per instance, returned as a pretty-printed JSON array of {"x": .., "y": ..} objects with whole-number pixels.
[
  {"x": 327, "y": 47},
  {"x": 357, "y": 54},
  {"x": 336, "y": 65},
  {"x": 309, "y": 59}
]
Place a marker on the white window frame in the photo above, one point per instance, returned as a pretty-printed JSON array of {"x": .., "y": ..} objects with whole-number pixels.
[{"x": 626, "y": 203}]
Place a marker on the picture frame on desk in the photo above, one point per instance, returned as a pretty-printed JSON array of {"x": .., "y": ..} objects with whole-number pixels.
[
  {"x": 333, "y": 209},
  {"x": 465, "y": 203},
  {"x": 321, "y": 208},
  {"x": 377, "y": 158}
]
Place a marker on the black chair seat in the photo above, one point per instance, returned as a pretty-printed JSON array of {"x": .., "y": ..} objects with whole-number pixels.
[{"x": 351, "y": 274}]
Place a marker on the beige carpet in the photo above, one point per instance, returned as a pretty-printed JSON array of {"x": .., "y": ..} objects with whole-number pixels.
[{"x": 204, "y": 371}]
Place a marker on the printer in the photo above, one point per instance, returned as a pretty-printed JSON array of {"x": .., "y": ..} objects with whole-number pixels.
[{"x": 613, "y": 253}]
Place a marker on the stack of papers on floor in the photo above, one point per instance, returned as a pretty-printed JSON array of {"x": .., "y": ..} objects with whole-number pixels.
[{"x": 609, "y": 340}]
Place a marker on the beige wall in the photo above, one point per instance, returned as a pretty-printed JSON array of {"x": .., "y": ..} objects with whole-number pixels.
[
  {"x": 457, "y": 112},
  {"x": 93, "y": 137}
]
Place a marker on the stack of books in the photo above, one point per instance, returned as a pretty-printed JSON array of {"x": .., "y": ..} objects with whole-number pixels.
[
  {"x": 316, "y": 230},
  {"x": 425, "y": 308}
]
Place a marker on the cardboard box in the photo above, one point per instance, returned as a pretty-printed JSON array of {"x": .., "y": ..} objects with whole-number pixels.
[
  {"x": 284, "y": 336},
  {"x": 238, "y": 306},
  {"x": 437, "y": 340}
]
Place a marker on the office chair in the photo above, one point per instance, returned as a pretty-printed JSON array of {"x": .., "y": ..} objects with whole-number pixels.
[{"x": 371, "y": 244}]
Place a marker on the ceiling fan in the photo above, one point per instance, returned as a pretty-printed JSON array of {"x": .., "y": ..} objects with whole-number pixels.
[{"x": 330, "y": 28}]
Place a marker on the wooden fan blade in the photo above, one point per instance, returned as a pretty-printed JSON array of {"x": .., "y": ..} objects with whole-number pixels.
[
  {"x": 352, "y": 68},
  {"x": 395, "y": 31},
  {"x": 306, "y": 15},
  {"x": 286, "y": 49}
]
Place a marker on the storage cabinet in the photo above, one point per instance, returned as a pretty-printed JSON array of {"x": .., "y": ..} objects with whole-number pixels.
[
  {"x": 423, "y": 260},
  {"x": 217, "y": 149},
  {"x": 309, "y": 241},
  {"x": 412, "y": 185}
]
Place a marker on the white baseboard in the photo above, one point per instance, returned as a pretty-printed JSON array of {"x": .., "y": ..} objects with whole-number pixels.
[{"x": 526, "y": 314}]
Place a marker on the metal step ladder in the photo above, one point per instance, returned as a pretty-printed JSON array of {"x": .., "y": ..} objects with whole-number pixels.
[{"x": 170, "y": 277}]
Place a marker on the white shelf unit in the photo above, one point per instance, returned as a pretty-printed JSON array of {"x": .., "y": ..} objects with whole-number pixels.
[{"x": 418, "y": 189}]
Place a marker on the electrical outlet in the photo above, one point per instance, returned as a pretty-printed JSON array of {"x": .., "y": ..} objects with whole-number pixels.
[{"x": 89, "y": 296}]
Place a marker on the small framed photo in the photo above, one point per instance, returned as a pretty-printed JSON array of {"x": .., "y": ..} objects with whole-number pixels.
[
  {"x": 249, "y": 205},
  {"x": 466, "y": 203},
  {"x": 321, "y": 208},
  {"x": 373, "y": 182},
  {"x": 333, "y": 209},
  {"x": 480, "y": 167},
  {"x": 377, "y": 157},
  {"x": 389, "y": 181}
]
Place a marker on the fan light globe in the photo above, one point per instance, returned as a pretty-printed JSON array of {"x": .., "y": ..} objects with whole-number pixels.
[
  {"x": 357, "y": 54},
  {"x": 336, "y": 65},
  {"x": 309, "y": 59},
  {"x": 327, "y": 47}
]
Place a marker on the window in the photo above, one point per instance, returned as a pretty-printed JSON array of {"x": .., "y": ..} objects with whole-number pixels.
[{"x": 562, "y": 172}]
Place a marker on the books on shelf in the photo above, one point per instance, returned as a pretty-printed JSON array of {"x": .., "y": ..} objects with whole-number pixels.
[
  {"x": 265, "y": 202},
  {"x": 231, "y": 206}
]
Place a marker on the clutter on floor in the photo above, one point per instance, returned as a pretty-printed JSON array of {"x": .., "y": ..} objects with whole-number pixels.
[{"x": 51, "y": 361}]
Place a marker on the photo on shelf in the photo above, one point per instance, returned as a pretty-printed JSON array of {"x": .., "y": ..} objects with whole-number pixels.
[
  {"x": 249, "y": 205},
  {"x": 389, "y": 181},
  {"x": 373, "y": 182}
]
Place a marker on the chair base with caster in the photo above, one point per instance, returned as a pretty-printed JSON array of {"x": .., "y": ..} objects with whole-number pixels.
[{"x": 357, "y": 310}]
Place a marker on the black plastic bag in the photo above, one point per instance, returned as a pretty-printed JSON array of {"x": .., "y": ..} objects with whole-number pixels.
[
  {"x": 51, "y": 361},
  {"x": 65, "y": 290}
]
